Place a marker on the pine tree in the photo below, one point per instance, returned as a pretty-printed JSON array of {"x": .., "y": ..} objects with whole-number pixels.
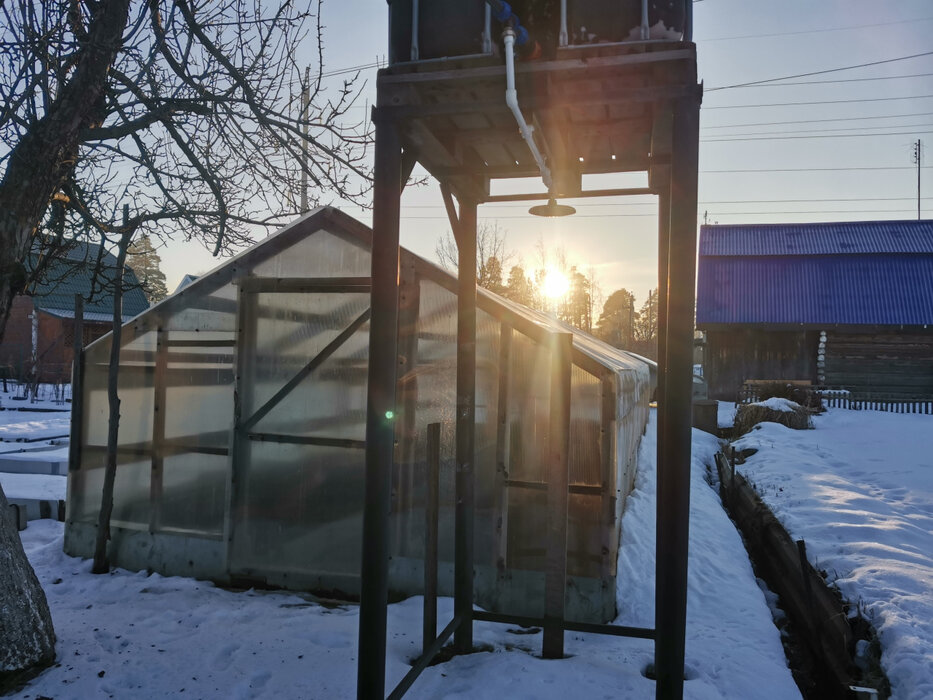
[
  {"x": 575, "y": 309},
  {"x": 617, "y": 321},
  {"x": 519, "y": 287},
  {"x": 145, "y": 261}
]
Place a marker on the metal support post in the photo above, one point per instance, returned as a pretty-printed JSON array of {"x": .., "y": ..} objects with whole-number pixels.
[
  {"x": 674, "y": 457},
  {"x": 555, "y": 576},
  {"x": 466, "y": 426},
  {"x": 380, "y": 412}
]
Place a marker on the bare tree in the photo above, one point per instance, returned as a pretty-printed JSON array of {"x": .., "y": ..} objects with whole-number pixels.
[
  {"x": 187, "y": 106},
  {"x": 183, "y": 107},
  {"x": 492, "y": 256}
]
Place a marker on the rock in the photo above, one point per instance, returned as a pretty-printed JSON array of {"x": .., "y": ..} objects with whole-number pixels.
[{"x": 27, "y": 639}]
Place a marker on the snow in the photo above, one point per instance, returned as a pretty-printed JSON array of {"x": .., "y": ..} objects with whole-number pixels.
[
  {"x": 859, "y": 489},
  {"x": 27, "y": 425},
  {"x": 147, "y": 636},
  {"x": 776, "y": 403},
  {"x": 40, "y": 487},
  {"x": 726, "y": 414}
]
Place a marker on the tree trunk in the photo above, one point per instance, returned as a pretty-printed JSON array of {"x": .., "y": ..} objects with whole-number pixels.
[
  {"x": 39, "y": 164},
  {"x": 101, "y": 561},
  {"x": 27, "y": 639}
]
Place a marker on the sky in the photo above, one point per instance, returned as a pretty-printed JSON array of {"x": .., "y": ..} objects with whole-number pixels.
[{"x": 831, "y": 147}]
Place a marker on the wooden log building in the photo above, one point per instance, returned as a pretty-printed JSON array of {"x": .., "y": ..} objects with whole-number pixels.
[{"x": 846, "y": 305}]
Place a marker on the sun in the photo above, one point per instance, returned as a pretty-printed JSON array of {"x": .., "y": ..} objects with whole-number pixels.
[{"x": 555, "y": 284}]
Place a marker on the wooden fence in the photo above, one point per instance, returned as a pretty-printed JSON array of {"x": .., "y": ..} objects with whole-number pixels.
[{"x": 842, "y": 398}]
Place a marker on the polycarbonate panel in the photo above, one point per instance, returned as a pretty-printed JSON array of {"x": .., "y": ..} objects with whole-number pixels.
[
  {"x": 329, "y": 402},
  {"x": 585, "y": 429},
  {"x": 299, "y": 508},
  {"x": 426, "y": 394},
  {"x": 286, "y": 332},
  {"x": 131, "y": 494},
  {"x": 529, "y": 409},
  {"x": 193, "y": 494},
  {"x": 322, "y": 254}
]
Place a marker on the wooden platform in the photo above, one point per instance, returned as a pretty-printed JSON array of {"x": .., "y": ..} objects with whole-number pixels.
[{"x": 596, "y": 109}]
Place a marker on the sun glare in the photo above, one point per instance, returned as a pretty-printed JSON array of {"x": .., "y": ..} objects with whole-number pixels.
[{"x": 555, "y": 284}]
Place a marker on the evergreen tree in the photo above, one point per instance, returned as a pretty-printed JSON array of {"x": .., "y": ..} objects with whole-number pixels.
[
  {"x": 519, "y": 288},
  {"x": 489, "y": 275},
  {"x": 617, "y": 321},
  {"x": 145, "y": 261},
  {"x": 575, "y": 308}
]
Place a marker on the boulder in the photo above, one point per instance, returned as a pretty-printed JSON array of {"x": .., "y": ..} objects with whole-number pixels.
[{"x": 27, "y": 639}]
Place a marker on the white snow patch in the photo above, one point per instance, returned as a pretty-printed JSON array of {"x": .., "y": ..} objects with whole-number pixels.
[
  {"x": 775, "y": 403},
  {"x": 859, "y": 489},
  {"x": 157, "y": 637}
]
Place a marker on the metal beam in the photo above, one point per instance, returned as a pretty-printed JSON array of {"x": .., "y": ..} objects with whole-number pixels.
[
  {"x": 674, "y": 460},
  {"x": 380, "y": 412}
]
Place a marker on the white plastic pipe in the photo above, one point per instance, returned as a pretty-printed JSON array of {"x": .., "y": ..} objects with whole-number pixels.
[
  {"x": 414, "y": 31},
  {"x": 645, "y": 29},
  {"x": 487, "y": 31},
  {"x": 511, "y": 99},
  {"x": 564, "y": 37}
]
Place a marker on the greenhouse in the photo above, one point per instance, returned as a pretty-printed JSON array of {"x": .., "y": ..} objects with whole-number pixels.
[{"x": 243, "y": 421}]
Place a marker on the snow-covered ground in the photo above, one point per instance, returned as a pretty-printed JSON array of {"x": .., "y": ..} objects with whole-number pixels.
[
  {"x": 147, "y": 636},
  {"x": 19, "y": 419},
  {"x": 39, "y": 487},
  {"x": 859, "y": 489}
]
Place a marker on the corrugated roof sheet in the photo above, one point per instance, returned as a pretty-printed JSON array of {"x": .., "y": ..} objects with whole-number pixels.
[
  {"x": 818, "y": 275},
  {"x": 849, "y": 237},
  {"x": 72, "y": 273}
]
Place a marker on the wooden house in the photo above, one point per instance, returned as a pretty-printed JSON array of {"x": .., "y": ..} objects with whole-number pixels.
[
  {"x": 847, "y": 305},
  {"x": 38, "y": 343}
]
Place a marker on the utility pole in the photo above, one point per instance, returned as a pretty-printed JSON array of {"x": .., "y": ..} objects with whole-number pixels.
[
  {"x": 918, "y": 155},
  {"x": 305, "y": 99}
]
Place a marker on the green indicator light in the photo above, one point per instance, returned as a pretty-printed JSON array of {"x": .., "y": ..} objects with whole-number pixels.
[{"x": 390, "y": 415}]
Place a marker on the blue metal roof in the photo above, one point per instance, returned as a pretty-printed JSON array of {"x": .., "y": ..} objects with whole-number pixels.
[
  {"x": 829, "y": 238},
  {"x": 818, "y": 275}
]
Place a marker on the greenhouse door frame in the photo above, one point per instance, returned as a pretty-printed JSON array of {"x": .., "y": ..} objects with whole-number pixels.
[{"x": 243, "y": 431}]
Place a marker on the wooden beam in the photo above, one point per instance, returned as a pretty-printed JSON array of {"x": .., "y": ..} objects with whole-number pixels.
[{"x": 305, "y": 285}]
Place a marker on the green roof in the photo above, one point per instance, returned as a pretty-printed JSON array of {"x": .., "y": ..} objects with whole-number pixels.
[{"x": 72, "y": 271}]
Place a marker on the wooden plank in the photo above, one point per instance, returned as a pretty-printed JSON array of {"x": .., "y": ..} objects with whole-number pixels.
[
  {"x": 306, "y": 285},
  {"x": 555, "y": 575},
  {"x": 431, "y": 514},
  {"x": 500, "y": 486},
  {"x": 158, "y": 431},
  {"x": 314, "y": 440},
  {"x": 589, "y": 64}
]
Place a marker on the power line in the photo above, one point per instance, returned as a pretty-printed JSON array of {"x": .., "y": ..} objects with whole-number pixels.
[
  {"x": 823, "y": 102},
  {"x": 842, "y": 80},
  {"x": 814, "y": 121},
  {"x": 829, "y": 131},
  {"x": 814, "y": 170},
  {"x": 817, "y": 136},
  {"x": 820, "y": 72},
  {"x": 816, "y": 31}
]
